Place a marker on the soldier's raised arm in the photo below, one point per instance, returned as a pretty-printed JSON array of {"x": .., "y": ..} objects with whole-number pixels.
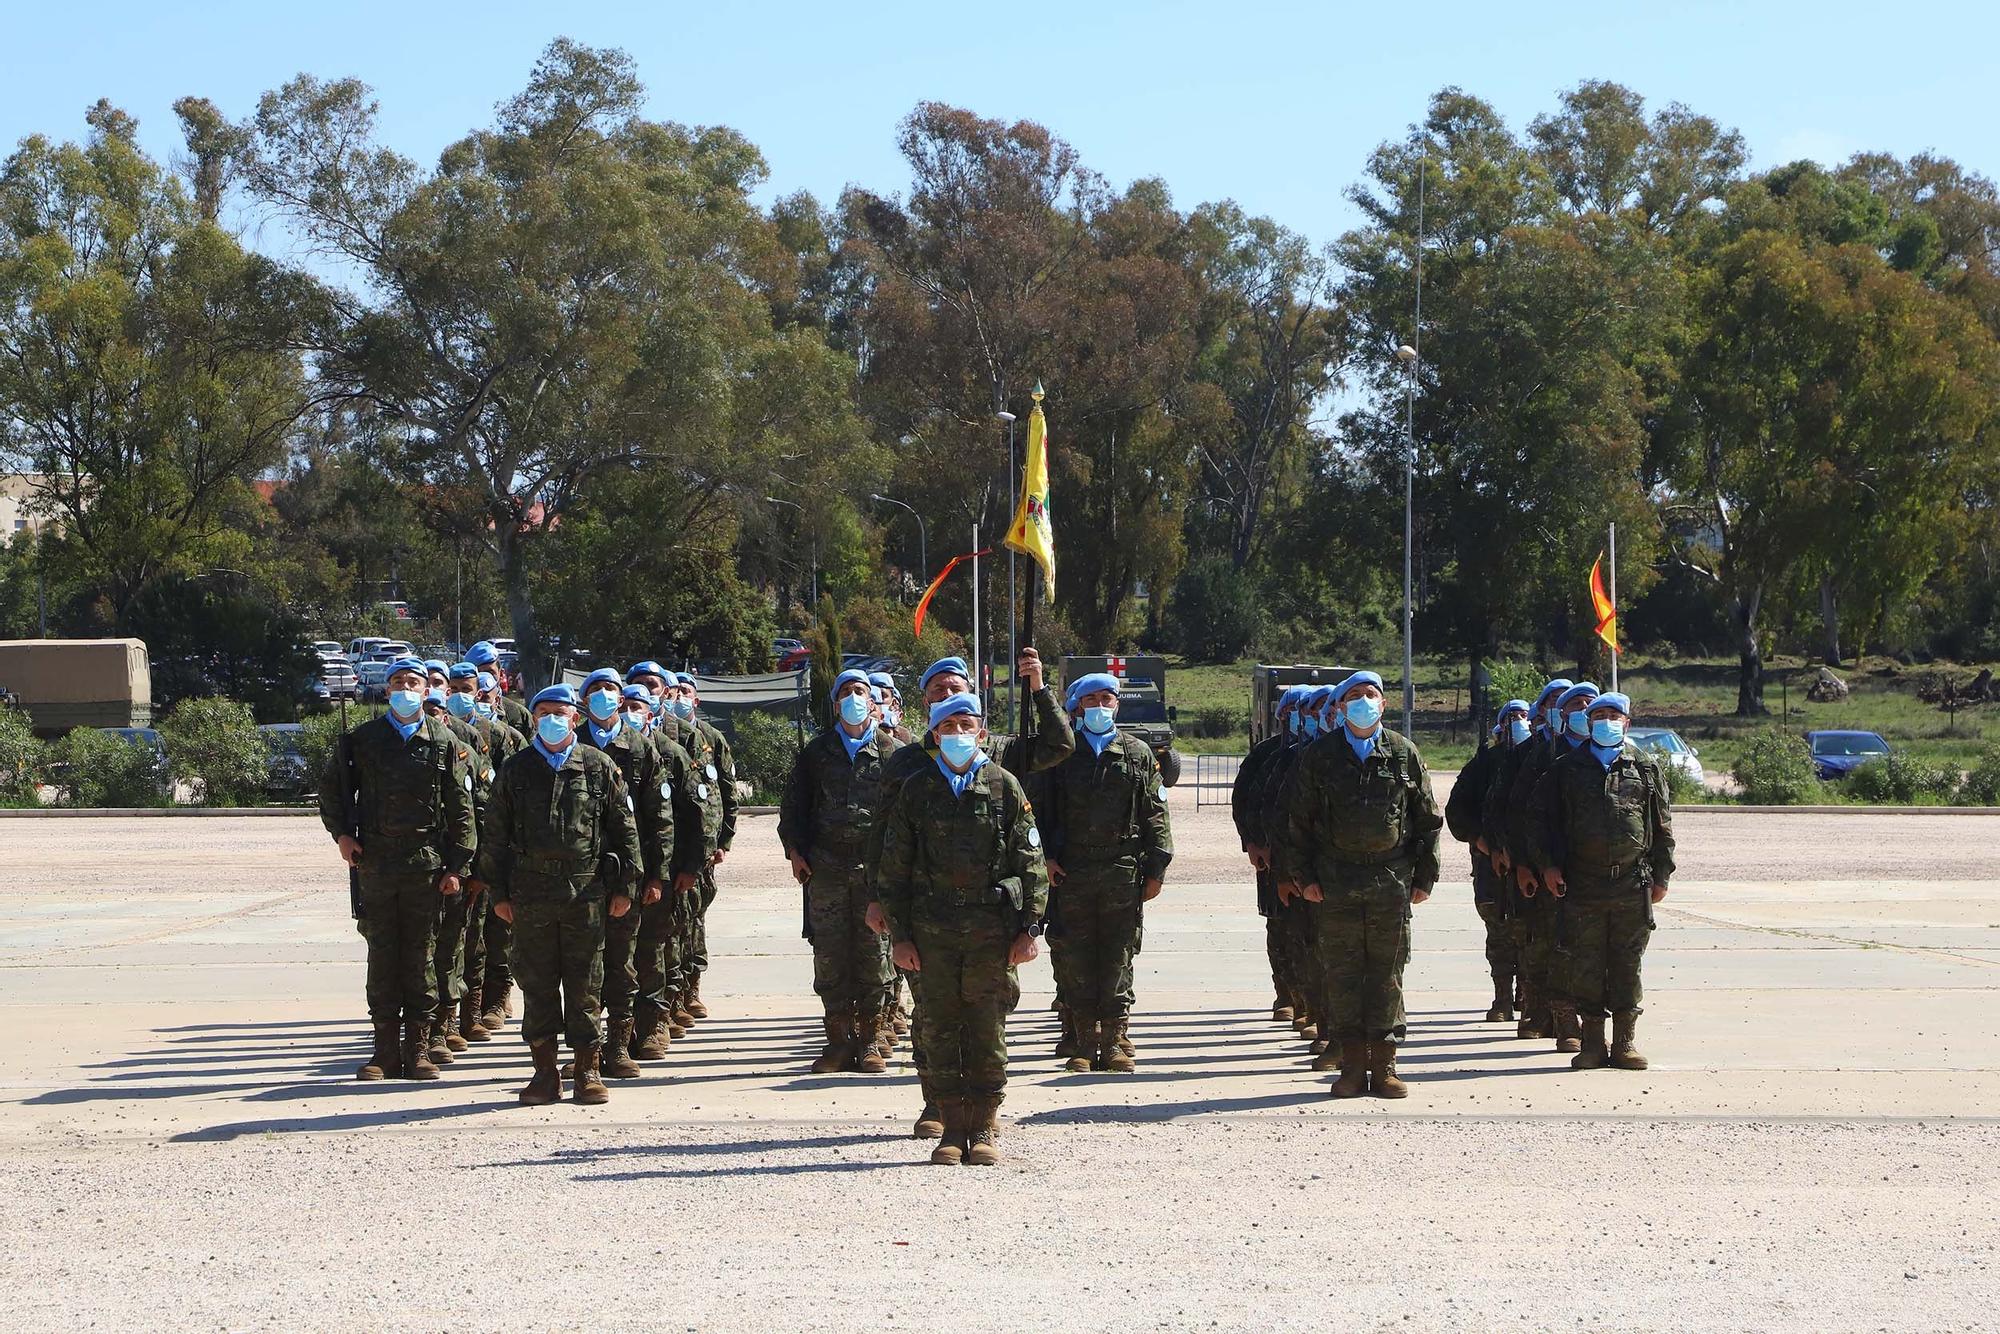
[{"x": 1054, "y": 742}]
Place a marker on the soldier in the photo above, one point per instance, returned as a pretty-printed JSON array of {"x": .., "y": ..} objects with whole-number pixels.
[
  {"x": 559, "y": 842},
  {"x": 1504, "y": 824},
  {"x": 1250, "y": 814},
  {"x": 1109, "y": 843},
  {"x": 964, "y": 888},
  {"x": 453, "y": 911},
  {"x": 649, "y": 794},
  {"x": 1568, "y": 727},
  {"x": 1360, "y": 834},
  {"x": 1309, "y": 721},
  {"x": 501, "y": 742},
  {"x": 497, "y": 986},
  {"x": 1604, "y": 837},
  {"x": 487, "y": 658},
  {"x": 829, "y": 810},
  {"x": 1049, "y": 746},
  {"x": 638, "y": 970},
  {"x": 715, "y": 790},
  {"x": 398, "y": 803},
  {"x": 891, "y": 699},
  {"x": 1463, "y": 815}
]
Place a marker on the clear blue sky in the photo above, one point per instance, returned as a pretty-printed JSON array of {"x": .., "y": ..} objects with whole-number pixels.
[{"x": 1273, "y": 104}]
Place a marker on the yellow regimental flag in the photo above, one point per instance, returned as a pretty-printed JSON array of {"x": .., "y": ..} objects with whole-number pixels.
[{"x": 1033, "y": 534}]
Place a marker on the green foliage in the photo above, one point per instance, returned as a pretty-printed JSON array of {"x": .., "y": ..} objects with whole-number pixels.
[
  {"x": 21, "y": 758},
  {"x": 765, "y": 746},
  {"x": 1682, "y": 786},
  {"x": 1776, "y": 769},
  {"x": 824, "y": 642},
  {"x": 220, "y": 635},
  {"x": 1516, "y": 680},
  {"x": 1902, "y": 780},
  {"x": 1982, "y": 782},
  {"x": 317, "y": 737},
  {"x": 1214, "y": 610},
  {"x": 98, "y": 769},
  {"x": 214, "y": 745}
]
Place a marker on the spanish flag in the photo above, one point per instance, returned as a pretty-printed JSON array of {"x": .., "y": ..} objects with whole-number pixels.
[
  {"x": 1032, "y": 534},
  {"x": 1600, "y": 601}
]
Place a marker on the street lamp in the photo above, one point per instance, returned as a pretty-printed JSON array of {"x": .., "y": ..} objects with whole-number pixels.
[
  {"x": 923, "y": 542},
  {"x": 815, "y": 549},
  {"x": 1408, "y": 356}
]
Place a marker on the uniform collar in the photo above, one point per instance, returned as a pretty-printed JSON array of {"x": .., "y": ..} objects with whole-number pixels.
[
  {"x": 408, "y": 729},
  {"x": 603, "y": 737},
  {"x": 855, "y": 744},
  {"x": 959, "y": 782},
  {"x": 1098, "y": 741},
  {"x": 1362, "y": 746},
  {"x": 556, "y": 760}
]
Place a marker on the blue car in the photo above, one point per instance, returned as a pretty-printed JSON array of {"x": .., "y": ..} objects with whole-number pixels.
[{"x": 1838, "y": 754}]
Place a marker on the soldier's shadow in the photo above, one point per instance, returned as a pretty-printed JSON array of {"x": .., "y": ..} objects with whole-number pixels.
[{"x": 820, "y": 1144}]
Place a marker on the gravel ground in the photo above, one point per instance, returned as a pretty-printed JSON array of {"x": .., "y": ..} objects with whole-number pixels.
[{"x": 1223, "y": 1224}]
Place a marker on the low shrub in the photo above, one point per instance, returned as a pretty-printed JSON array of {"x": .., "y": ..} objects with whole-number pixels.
[
  {"x": 1982, "y": 785},
  {"x": 213, "y": 746},
  {"x": 764, "y": 748},
  {"x": 1776, "y": 769},
  {"x": 93, "y": 768},
  {"x": 1901, "y": 780},
  {"x": 22, "y": 755}
]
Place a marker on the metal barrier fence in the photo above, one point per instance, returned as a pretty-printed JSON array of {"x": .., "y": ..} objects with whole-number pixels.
[{"x": 1214, "y": 776}]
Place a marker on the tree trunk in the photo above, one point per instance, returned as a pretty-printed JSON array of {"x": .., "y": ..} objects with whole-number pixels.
[
  {"x": 1829, "y": 615},
  {"x": 533, "y": 668},
  {"x": 1750, "y": 656}
]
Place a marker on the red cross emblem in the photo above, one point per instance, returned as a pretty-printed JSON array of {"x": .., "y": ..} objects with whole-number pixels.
[{"x": 1116, "y": 666}]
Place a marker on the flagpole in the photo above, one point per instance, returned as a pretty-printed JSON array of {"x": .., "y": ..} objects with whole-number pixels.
[
  {"x": 1013, "y": 609},
  {"x": 978, "y": 676},
  {"x": 1613, "y": 544}
]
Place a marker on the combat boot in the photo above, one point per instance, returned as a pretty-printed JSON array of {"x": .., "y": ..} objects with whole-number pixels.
[
  {"x": 1382, "y": 1079},
  {"x": 1569, "y": 1033},
  {"x": 930, "y": 1121},
  {"x": 833, "y": 1056},
  {"x": 1067, "y": 1044},
  {"x": 1503, "y": 1000},
  {"x": 1624, "y": 1027},
  {"x": 982, "y": 1143},
  {"x": 1530, "y": 1026},
  {"x": 444, "y": 1032},
  {"x": 679, "y": 1021},
  {"x": 695, "y": 1009},
  {"x": 1353, "y": 1081},
  {"x": 1115, "y": 1053},
  {"x": 1328, "y": 1055},
  {"x": 869, "y": 1058},
  {"x": 494, "y": 1017},
  {"x": 1590, "y": 1051},
  {"x": 589, "y": 1089},
  {"x": 650, "y": 1042},
  {"x": 950, "y": 1150},
  {"x": 1083, "y": 1042},
  {"x": 387, "y": 1062},
  {"x": 902, "y": 1022},
  {"x": 1281, "y": 1007},
  {"x": 468, "y": 1018},
  {"x": 617, "y": 1062},
  {"x": 546, "y": 1086},
  {"x": 416, "y": 1052}
]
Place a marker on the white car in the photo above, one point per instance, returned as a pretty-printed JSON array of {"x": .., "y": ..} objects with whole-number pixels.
[{"x": 1666, "y": 744}]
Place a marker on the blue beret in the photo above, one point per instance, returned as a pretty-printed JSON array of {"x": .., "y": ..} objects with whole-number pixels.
[
  {"x": 556, "y": 694},
  {"x": 1511, "y": 705},
  {"x": 602, "y": 674},
  {"x": 883, "y": 679},
  {"x": 1358, "y": 679},
  {"x": 1089, "y": 685},
  {"x": 1575, "y": 693},
  {"x": 487, "y": 681},
  {"x": 1614, "y": 699},
  {"x": 482, "y": 654},
  {"x": 1555, "y": 687},
  {"x": 956, "y": 704},
  {"x": 404, "y": 665},
  {"x": 438, "y": 665},
  {"x": 461, "y": 671},
  {"x": 846, "y": 678},
  {"x": 636, "y": 692},
  {"x": 1318, "y": 696},
  {"x": 647, "y": 667},
  {"x": 954, "y": 666}
]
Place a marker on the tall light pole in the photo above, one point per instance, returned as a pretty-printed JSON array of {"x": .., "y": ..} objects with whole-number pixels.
[
  {"x": 923, "y": 542},
  {"x": 1411, "y": 355},
  {"x": 775, "y": 500},
  {"x": 1013, "y": 617}
]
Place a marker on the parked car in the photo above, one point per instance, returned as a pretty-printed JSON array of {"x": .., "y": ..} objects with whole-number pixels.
[
  {"x": 365, "y": 646},
  {"x": 328, "y": 648},
  {"x": 795, "y": 659},
  {"x": 1837, "y": 754},
  {"x": 399, "y": 610},
  {"x": 337, "y": 680},
  {"x": 372, "y": 680},
  {"x": 780, "y": 647},
  {"x": 396, "y": 648},
  {"x": 1667, "y": 744},
  {"x": 286, "y": 773}
]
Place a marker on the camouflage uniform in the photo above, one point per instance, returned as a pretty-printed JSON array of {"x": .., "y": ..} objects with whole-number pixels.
[
  {"x": 1464, "y": 815},
  {"x": 550, "y": 837},
  {"x": 1537, "y": 910},
  {"x": 448, "y": 959},
  {"x": 715, "y": 792},
  {"x": 1294, "y": 918},
  {"x": 638, "y": 960},
  {"x": 960, "y": 877},
  {"x": 476, "y": 966},
  {"x": 1610, "y": 830},
  {"x": 1366, "y": 831},
  {"x": 515, "y": 714},
  {"x": 648, "y": 794},
  {"x": 1251, "y": 816},
  {"x": 409, "y": 805},
  {"x": 826, "y": 818},
  {"x": 1106, "y": 825}
]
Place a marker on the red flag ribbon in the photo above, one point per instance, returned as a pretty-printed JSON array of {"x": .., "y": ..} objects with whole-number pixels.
[{"x": 924, "y": 602}]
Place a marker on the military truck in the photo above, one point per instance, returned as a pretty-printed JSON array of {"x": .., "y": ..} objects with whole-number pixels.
[
  {"x": 1268, "y": 682},
  {"x": 1143, "y": 710},
  {"x": 66, "y": 683}
]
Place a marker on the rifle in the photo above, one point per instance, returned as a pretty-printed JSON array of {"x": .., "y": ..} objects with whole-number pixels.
[{"x": 351, "y": 794}]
